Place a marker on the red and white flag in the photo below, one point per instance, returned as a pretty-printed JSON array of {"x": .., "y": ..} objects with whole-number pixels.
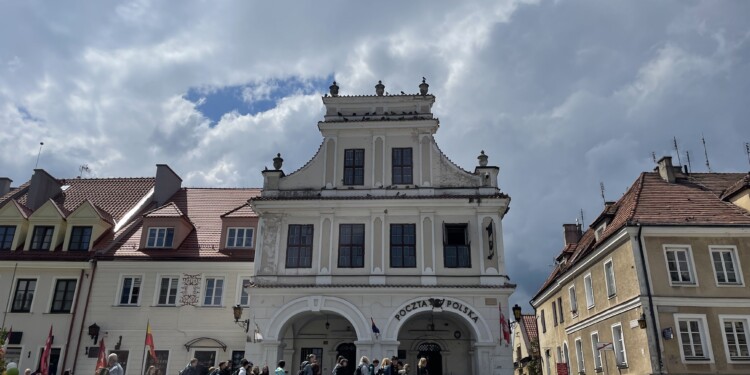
[
  {"x": 504, "y": 325},
  {"x": 101, "y": 361},
  {"x": 150, "y": 343},
  {"x": 44, "y": 368}
]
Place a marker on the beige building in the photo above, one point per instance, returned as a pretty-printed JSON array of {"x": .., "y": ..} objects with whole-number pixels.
[
  {"x": 526, "y": 355},
  {"x": 656, "y": 283}
]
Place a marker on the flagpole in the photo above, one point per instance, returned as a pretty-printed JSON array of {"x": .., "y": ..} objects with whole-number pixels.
[{"x": 143, "y": 361}]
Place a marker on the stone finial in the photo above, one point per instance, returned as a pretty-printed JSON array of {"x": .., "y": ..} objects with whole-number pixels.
[
  {"x": 379, "y": 88},
  {"x": 423, "y": 87},
  {"x": 334, "y": 89},
  {"x": 277, "y": 161},
  {"x": 482, "y": 159}
]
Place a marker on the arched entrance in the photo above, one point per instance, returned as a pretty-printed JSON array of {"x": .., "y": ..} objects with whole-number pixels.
[
  {"x": 431, "y": 351},
  {"x": 349, "y": 351}
]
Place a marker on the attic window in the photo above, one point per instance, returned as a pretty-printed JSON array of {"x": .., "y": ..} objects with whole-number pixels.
[
  {"x": 160, "y": 237},
  {"x": 599, "y": 231}
]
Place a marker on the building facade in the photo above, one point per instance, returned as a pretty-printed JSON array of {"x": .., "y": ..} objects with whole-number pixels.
[
  {"x": 381, "y": 246},
  {"x": 655, "y": 284}
]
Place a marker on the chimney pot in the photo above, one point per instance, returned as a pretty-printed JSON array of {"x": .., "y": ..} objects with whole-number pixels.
[
  {"x": 666, "y": 169},
  {"x": 5, "y": 185},
  {"x": 572, "y": 233}
]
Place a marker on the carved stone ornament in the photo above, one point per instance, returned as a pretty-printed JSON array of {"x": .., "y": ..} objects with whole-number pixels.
[
  {"x": 191, "y": 289},
  {"x": 277, "y": 162},
  {"x": 379, "y": 88},
  {"x": 423, "y": 87},
  {"x": 334, "y": 89},
  {"x": 482, "y": 159}
]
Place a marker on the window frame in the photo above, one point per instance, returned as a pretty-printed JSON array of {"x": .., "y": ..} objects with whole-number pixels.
[
  {"x": 554, "y": 313},
  {"x": 573, "y": 300},
  {"x": 245, "y": 231},
  {"x": 4, "y": 229},
  {"x": 49, "y": 233},
  {"x": 611, "y": 289},
  {"x": 16, "y": 286},
  {"x": 398, "y": 169},
  {"x": 596, "y": 352},
  {"x": 204, "y": 291},
  {"x": 351, "y": 169},
  {"x": 619, "y": 347},
  {"x": 157, "y": 293},
  {"x": 352, "y": 246},
  {"x": 589, "y": 290},
  {"x": 53, "y": 298},
  {"x": 732, "y": 250},
  {"x": 80, "y": 236},
  {"x": 560, "y": 310},
  {"x": 164, "y": 245},
  {"x": 543, "y": 321},
  {"x": 723, "y": 318},
  {"x": 459, "y": 249},
  {"x": 411, "y": 247},
  {"x": 300, "y": 246},
  {"x": 241, "y": 289},
  {"x": 580, "y": 360},
  {"x": 121, "y": 285},
  {"x": 705, "y": 337},
  {"x": 690, "y": 264}
]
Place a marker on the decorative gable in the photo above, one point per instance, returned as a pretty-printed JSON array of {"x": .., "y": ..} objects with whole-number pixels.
[
  {"x": 165, "y": 227},
  {"x": 47, "y": 227},
  {"x": 14, "y": 221},
  {"x": 85, "y": 225}
]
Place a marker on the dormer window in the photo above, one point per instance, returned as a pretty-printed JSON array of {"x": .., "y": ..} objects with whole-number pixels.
[
  {"x": 80, "y": 238},
  {"x": 42, "y": 239},
  {"x": 6, "y": 236},
  {"x": 240, "y": 237},
  {"x": 354, "y": 166},
  {"x": 160, "y": 237},
  {"x": 599, "y": 231}
]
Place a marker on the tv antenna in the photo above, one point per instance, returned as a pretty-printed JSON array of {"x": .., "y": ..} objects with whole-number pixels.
[
  {"x": 581, "y": 216},
  {"x": 83, "y": 168},
  {"x": 653, "y": 156},
  {"x": 705, "y": 152},
  {"x": 690, "y": 166},
  {"x": 38, "y": 154},
  {"x": 601, "y": 188},
  {"x": 747, "y": 151},
  {"x": 677, "y": 150}
]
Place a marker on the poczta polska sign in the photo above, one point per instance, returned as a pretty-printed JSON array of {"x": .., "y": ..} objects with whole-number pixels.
[{"x": 437, "y": 304}]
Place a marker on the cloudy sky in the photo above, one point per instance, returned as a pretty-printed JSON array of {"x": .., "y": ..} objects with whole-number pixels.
[{"x": 561, "y": 95}]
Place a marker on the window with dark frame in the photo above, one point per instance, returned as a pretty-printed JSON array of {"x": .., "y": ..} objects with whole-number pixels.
[
  {"x": 6, "y": 236},
  {"x": 168, "y": 290},
  {"x": 299, "y": 246},
  {"x": 403, "y": 246},
  {"x": 554, "y": 313},
  {"x": 456, "y": 246},
  {"x": 65, "y": 290},
  {"x": 24, "y": 295},
  {"x": 560, "y": 310},
  {"x": 131, "y": 290},
  {"x": 354, "y": 166},
  {"x": 160, "y": 237},
  {"x": 42, "y": 239},
  {"x": 351, "y": 246},
  {"x": 80, "y": 237},
  {"x": 401, "y": 166}
]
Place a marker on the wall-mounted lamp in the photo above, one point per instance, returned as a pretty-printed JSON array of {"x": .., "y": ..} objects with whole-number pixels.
[
  {"x": 328, "y": 325},
  {"x": 517, "y": 312},
  {"x": 119, "y": 343},
  {"x": 237, "y": 310},
  {"x": 642, "y": 321},
  {"x": 94, "y": 332}
]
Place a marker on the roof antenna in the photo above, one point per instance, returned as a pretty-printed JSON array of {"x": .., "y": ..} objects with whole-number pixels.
[
  {"x": 677, "y": 150},
  {"x": 653, "y": 156},
  {"x": 601, "y": 188},
  {"x": 83, "y": 168},
  {"x": 747, "y": 151},
  {"x": 705, "y": 152},
  {"x": 690, "y": 166},
  {"x": 38, "y": 154},
  {"x": 582, "y": 217}
]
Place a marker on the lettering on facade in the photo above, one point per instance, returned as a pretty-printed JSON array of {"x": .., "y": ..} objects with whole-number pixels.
[{"x": 437, "y": 304}]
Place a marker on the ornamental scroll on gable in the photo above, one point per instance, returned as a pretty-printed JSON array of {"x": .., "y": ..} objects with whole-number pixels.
[{"x": 191, "y": 289}]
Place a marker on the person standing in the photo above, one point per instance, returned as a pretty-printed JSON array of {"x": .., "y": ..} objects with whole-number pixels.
[
  {"x": 363, "y": 368},
  {"x": 280, "y": 368},
  {"x": 374, "y": 366},
  {"x": 114, "y": 366},
  {"x": 422, "y": 367}
]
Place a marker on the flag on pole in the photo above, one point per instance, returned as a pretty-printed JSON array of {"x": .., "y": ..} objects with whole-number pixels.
[
  {"x": 44, "y": 367},
  {"x": 101, "y": 361},
  {"x": 150, "y": 342},
  {"x": 375, "y": 329},
  {"x": 504, "y": 325}
]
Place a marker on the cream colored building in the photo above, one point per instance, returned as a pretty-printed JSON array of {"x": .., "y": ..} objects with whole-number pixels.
[
  {"x": 380, "y": 229},
  {"x": 656, "y": 282},
  {"x": 526, "y": 355}
]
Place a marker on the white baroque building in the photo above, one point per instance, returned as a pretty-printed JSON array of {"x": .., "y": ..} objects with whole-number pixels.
[{"x": 380, "y": 229}]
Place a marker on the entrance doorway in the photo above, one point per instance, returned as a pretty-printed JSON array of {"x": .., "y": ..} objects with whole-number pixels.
[
  {"x": 431, "y": 351},
  {"x": 349, "y": 351}
]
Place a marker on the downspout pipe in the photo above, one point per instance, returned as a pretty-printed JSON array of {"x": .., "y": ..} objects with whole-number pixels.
[
  {"x": 657, "y": 342},
  {"x": 85, "y": 310},
  {"x": 72, "y": 322}
]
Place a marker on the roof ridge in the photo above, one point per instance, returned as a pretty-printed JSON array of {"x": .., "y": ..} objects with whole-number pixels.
[{"x": 637, "y": 198}]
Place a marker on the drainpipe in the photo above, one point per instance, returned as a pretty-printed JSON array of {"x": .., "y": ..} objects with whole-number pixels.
[
  {"x": 72, "y": 321},
  {"x": 10, "y": 294},
  {"x": 85, "y": 310},
  {"x": 650, "y": 298}
]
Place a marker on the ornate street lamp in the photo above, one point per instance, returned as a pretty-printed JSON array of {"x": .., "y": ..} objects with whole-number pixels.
[
  {"x": 94, "y": 332},
  {"x": 517, "y": 312},
  {"x": 237, "y": 310}
]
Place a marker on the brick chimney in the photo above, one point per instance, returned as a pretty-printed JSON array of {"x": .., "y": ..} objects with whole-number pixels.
[
  {"x": 5, "y": 185},
  {"x": 666, "y": 170},
  {"x": 43, "y": 187},
  {"x": 572, "y": 233},
  {"x": 167, "y": 183}
]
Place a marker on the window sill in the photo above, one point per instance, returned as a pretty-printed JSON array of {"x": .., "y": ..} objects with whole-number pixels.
[
  {"x": 622, "y": 366},
  {"x": 175, "y": 305},
  {"x": 599, "y": 370},
  {"x": 213, "y": 306},
  {"x": 612, "y": 296},
  {"x": 590, "y": 307},
  {"x": 683, "y": 284},
  {"x": 730, "y": 285},
  {"x": 126, "y": 305}
]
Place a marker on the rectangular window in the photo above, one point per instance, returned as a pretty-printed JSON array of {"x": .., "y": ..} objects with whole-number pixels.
[
  {"x": 351, "y": 246},
  {"x": 62, "y": 301},
  {"x": 560, "y": 309},
  {"x": 13, "y": 354},
  {"x": 240, "y": 237},
  {"x": 726, "y": 267},
  {"x": 214, "y": 291},
  {"x": 168, "y": 291},
  {"x": 299, "y": 246},
  {"x": 160, "y": 237},
  {"x": 579, "y": 356},
  {"x": 244, "y": 295},
  {"x": 403, "y": 245},
  {"x": 692, "y": 334},
  {"x": 544, "y": 323},
  {"x": 456, "y": 246},
  {"x": 402, "y": 166},
  {"x": 6, "y": 236},
  {"x": 609, "y": 278},
  {"x": 80, "y": 237},
  {"x": 42, "y": 239},
  {"x": 735, "y": 337},
  {"x": 679, "y": 266},
  {"x": 554, "y": 313},
  {"x": 573, "y": 300},
  {"x": 618, "y": 341},
  {"x": 595, "y": 350},
  {"x": 131, "y": 290},
  {"x": 589, "y": 289},
  {"x": 24, "y": 295},
  {"x": 354, "y": 166}
]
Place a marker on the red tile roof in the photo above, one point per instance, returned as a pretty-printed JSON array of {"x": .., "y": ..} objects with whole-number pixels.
[
  {"x": 168, "y": 210},
  {"x": 204, "y": 207},
  {"x": 693, "y": 200},
  {"x": 529, "y": 323},
  {"x": 242, "y": 211},
  {"x": 116, "y": 196}
]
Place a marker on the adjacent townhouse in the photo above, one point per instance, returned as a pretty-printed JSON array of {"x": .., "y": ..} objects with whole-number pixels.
[
  {"x": 526, "y": 355},
  {"x": 656, "y": 284}
]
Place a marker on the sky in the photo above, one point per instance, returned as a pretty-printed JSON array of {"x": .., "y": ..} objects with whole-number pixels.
[{"x": 562, "y": 95}]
